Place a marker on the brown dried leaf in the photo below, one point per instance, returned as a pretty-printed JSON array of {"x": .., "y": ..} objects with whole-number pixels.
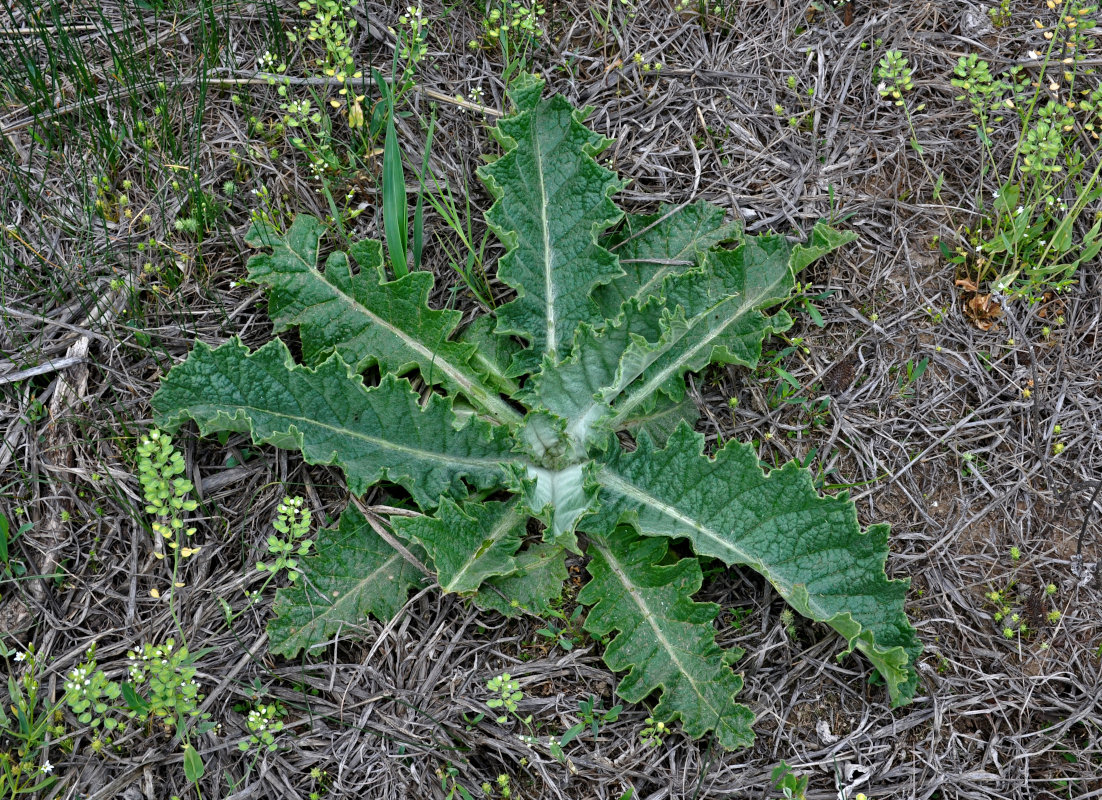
[{"x": 981, "y": 309}]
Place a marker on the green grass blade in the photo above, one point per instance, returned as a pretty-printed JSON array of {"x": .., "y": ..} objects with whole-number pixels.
[{"x": 394, "y": 200}]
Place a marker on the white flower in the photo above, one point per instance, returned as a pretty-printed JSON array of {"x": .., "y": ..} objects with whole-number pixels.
[
  {"x": 996, "y": 194},
  {"x": 1020, "y": 210},
  {"x": 20, "y": 656},
  {"x": 47, "y": 767}
]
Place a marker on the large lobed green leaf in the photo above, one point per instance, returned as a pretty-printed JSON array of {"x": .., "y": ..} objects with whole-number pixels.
[
  {"x": 376, "y": 434},
  {"x": 368, "y": 322},
  {"x": 810, "y": 547},
  {"x": 552, "y": 201},
  {"x": 468, "y": 546},
  {"x": 666, "y": 640},
  {"x": 533, "y": 587}
]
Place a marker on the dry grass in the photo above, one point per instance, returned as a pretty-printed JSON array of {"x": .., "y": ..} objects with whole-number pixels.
[{"x": 962, "y": 464}]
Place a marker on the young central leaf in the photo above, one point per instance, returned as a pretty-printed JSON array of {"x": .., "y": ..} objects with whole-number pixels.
[{"x": 489, "y": 431}]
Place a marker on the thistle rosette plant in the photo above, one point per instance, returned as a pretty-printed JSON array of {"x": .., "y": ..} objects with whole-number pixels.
[{"x": 569, "y": 405}]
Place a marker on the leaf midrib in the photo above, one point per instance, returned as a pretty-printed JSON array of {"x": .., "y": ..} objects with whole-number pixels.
[
  {"x": 425, "y": 454},
  {"x": 551, "y": 343}
]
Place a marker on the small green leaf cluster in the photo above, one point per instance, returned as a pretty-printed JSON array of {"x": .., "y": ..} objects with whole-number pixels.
[
  {"x": 500, "y": 786},
  {"x": 594, "y": 716},
  {"x": 331, "y": 23},
  {"x": 568, "y": 631},
  {"x": 264, "y": 723},
  {"x": 166, "y": 494},
  {"x": 10, "y": 566},
  {"x": 508, "y": 694},
  {"x": 168, "y": 674},
  {"x": 514, "y": 28},
  {"x": 293, "y": 521},
  {"x": 513, "y": 18},
  {"x": 984, "y": 93},
  {"x": 91, "y": 695},
  {"x": 413, "y": 38},
  {"x": 449, "y": 782},
  {"x": 654, "y": 732},
  {"x": 1043, "y": 145},
  {"x": 895, "y": 74},
  {"x": 786, "y": 781},
  {"x": 1000, "y": 14}
]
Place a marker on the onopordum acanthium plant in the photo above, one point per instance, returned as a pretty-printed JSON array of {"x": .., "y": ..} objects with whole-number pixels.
[{"x": 568, "y": 405}]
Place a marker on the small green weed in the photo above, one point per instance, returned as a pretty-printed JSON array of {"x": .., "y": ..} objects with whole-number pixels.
[
  {"x": 508, "y": 694},
  {"x": 449, "y": 782},
  {"x": 788, "y": 622},
  {"x": 653, "y": 732},
  {"x": 166, "y": 495},
  {"x": 264, "y": 722},
  {"x": 907, "y": 378},
  {"x": 162, "y": 688},
  {"x": 567, "y": 633},
  {"x": 88, "y": 693},
  {"x": 785, "y": 780},
  {"x": 25, "y": 722},
  {"x": 896, "y": 77},
  {"x": 500, "y": 787},
  {"x": 1000, "y": 14},
  {"x": 594, "y": 716},
  {"x": 168, "y": 672},
  {"x": 11, "y": 569},
  {"x": 515, "y": 28},
  {"x": 1026, "y": 242},
  {"x": 293, "y": 521}
]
